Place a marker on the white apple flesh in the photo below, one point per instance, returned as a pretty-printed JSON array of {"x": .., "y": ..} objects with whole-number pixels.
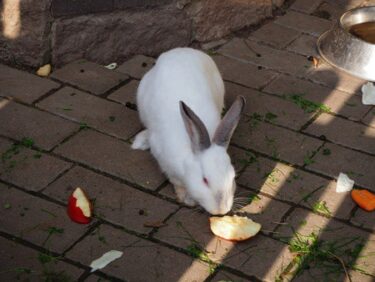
[{"x": 234, "y": 228}]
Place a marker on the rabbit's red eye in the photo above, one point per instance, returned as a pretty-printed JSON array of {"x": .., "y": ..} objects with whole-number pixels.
[{"x": 205, "y": 181}]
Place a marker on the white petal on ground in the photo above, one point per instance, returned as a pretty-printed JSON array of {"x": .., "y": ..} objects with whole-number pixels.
[
  {"x": 368, "y": 93},
  {"x": 111, "y": 66},
  {"x": 344, "y": 183},
  {"x": 105, "y": 259}
]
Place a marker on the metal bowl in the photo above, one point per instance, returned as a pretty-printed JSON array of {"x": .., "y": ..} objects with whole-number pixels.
[{"x": 346, "y": 51}]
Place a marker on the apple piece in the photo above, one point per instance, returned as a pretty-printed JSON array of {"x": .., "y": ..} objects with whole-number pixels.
[
  {"x": 234, "y": 228},
  {"x": 79, "y": 207}
]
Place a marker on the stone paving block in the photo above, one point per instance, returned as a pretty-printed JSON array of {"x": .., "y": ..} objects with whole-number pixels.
[
  {"x": 329, "y": 11},
  {"x": 226, "y": 276},
  {"x": 274, "y": 141},
  {"x": 302, "y": 222},
  {"x": 101, "y": 114},
  {"x": 316, "y": 273},
  {"x": 364, "y": 219},
  {"x": 137, "y": 66},
  {"x": 305, "y": 6},
  {"x": 261, "y": 55},
  {"x": 345, "y": 104},
  {"x": 347, "y": 4},
  {"x": 304, "y": 23},
  {"x": 142, "y": 260},
  {"x": 369, "y": 119},
  {"x": 260, "y": 106},
  {"x": 356, "y": 165},
  {"x": 23, "y": 121},
  {"x": 260, "y": 256},
  {"x": 28, "y": 168},
  {"x": 328, "y": 202},
  {"x": 243, "y": 73},
  {"x": 113, "y": 156},
  {"x": 22, "y": 85},
  {"x": 304, "y": 45},
  {"x": 264, "y": 210},
  {"x": 368, "y": 3},
  {"x": 213, "y": 44},
  {"x": 351, "y": 134},
  {"x": 275, "y": 35},
  {"x": 126, "y": 95},
  {"x": 19, "y": 263},
  {"x": 95, "y": 278},
  {"x": 333, "y": 78},
  {"x": 89, "y": 76},
  {"x": 293, "y": 185},
  {"x": 239, "y": 158},
  {"x": 261, "y": 209},
  {"x": 38, "y": 221},
  {"x": 168, "y": 191},
  {"x": 114, "y": 201},
  {"x": 189, "y": 229},
  {"x": 349, "y": 243}
]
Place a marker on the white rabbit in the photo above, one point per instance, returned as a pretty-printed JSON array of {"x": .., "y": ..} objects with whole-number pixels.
[{"x": 180, "y": 101}]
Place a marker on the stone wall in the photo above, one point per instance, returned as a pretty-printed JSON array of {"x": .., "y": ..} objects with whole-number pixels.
[{"x": 35, "y": 32}]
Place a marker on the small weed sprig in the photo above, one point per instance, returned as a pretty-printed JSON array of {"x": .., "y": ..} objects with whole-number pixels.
[
  {"x": 333, "y": 257},
  {"x": 306, "y": 105}
]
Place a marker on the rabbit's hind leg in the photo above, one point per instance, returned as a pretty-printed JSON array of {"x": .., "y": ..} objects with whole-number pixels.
[
  {"x": 141, "y": 141},
  {"x": 183, "y": 197}
]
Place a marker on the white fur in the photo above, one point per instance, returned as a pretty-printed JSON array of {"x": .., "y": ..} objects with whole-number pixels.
[{"x": 191, "y": 76}]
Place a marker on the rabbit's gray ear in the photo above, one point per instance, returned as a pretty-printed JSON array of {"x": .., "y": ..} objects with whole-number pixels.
[
  {"x": 225, "y": 130},
  {"x": 200, "y": 140}
]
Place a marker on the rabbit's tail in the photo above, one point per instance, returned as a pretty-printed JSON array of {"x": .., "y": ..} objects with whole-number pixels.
[{"x": 141, "y": 141}]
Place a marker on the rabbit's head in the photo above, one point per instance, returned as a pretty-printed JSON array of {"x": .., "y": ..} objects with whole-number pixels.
[{"x": 209, "y": 173}]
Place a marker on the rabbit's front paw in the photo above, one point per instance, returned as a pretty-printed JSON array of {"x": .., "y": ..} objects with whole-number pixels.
[
  {"x": 189, "y": 201},
  {"x": 141, "y": 141},
  {"x": 183, "y": 197}
]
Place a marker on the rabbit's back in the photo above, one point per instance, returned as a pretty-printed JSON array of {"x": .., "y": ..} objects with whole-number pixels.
[{"x": 182, "y": 74}]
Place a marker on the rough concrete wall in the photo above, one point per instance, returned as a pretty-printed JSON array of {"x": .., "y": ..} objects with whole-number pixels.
[
  {"x": 213, "y": 19},
  {"x": 110, "y": 37},
  {"x": 25, "y": 27},
  {"x": 59, "y": 31}
]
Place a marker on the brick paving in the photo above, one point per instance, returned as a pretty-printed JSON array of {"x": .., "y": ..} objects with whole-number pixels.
[{"x": 302, "y": 126}]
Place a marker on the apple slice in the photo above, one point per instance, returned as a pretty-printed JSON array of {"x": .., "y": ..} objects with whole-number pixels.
[
  {"x": 234, "y": 228},
  {"x": 79, "y": 207}
]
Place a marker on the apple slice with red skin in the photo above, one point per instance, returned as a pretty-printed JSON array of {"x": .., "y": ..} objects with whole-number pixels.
[
  {"x": 234, "y": 228},
  {"x": 79, "y": 207}
]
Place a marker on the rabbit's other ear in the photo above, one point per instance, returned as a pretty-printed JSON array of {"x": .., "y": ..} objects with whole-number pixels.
[
  {"x": 200, "y": 140},
  {"x": 225, "y": 130}
]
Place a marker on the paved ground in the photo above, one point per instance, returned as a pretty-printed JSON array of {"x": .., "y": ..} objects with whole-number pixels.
[{"x": 303, "y": 126}]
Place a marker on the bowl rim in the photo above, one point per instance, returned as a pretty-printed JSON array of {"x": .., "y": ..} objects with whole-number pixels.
[
  {"x": 345, "y": 14},
  {"x": 332, "y": 63}
]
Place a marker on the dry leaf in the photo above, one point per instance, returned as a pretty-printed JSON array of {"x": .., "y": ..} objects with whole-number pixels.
[
  {"x": 315, "y": 62},
  {"x": 156, "y": 224}
]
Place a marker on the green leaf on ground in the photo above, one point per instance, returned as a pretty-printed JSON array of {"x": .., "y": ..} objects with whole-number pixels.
[
  {"x": 326, "y": 152},
  {"x": 307, "y": 105},
  {"x": 321, "y": 207}
]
